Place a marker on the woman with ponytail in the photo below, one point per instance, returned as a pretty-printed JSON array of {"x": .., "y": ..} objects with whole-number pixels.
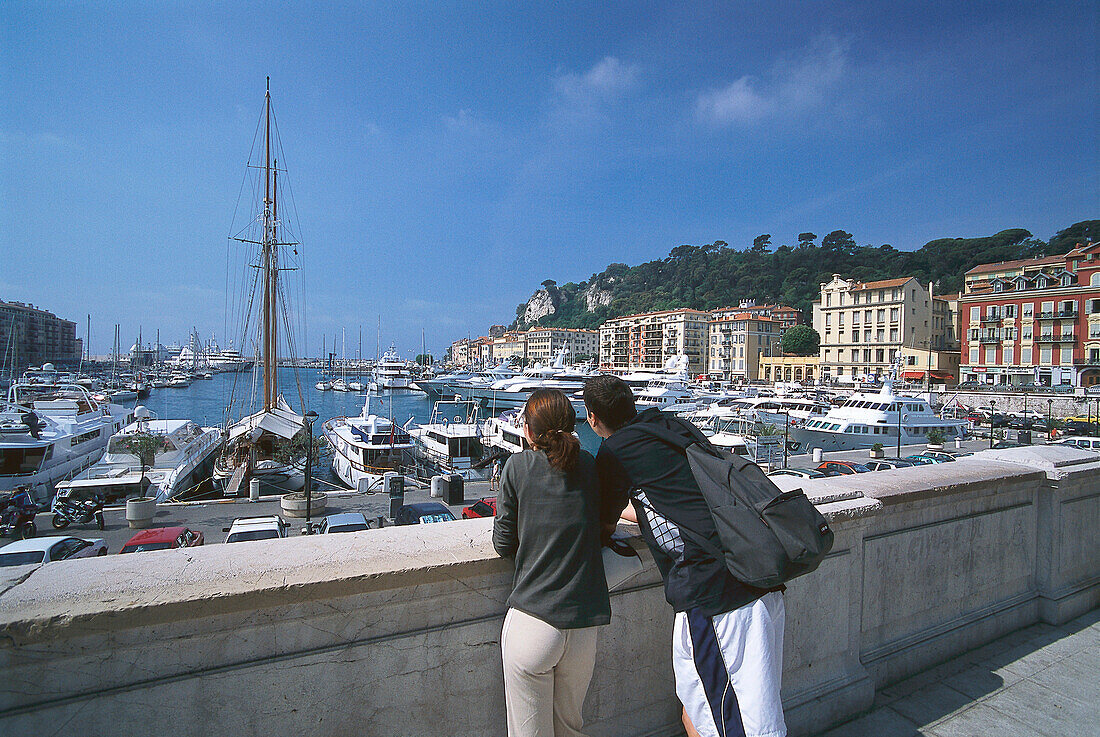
[{"x": 548, "y": 522}]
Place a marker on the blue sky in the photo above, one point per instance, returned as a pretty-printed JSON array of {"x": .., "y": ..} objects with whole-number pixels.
[{"x": 446, "y": 158}]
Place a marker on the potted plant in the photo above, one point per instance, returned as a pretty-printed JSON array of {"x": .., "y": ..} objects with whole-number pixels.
[
  {"x": 935, "y": 439},
  {"x": 877, "y": 451},
  {"x": 145, "y": 446}
]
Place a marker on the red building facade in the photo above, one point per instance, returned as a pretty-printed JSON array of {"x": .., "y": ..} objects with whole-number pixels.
[{"x": 1034, "y": 321}]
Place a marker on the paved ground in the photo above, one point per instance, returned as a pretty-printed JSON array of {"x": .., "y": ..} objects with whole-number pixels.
[
  {"x": 1041, "y": 681},
  {"x": 211, "y": 518}
]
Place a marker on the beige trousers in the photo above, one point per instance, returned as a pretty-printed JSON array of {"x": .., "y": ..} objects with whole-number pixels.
[{"x": 546, "y": 676}]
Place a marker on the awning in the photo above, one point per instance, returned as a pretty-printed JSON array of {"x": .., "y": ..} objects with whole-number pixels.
[
  {"x": 941, "y": 375},
  {"x": 281, "y": 421}
]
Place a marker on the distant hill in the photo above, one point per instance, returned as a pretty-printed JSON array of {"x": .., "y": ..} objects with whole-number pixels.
[{"x": 716, "y": 275}]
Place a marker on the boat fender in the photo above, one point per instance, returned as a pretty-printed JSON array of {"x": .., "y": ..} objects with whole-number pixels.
[{"x": 458, "y": 418}]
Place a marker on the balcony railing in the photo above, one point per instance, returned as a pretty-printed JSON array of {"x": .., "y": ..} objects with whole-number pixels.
[
  {"x": 991, "y": 318},
  {"x": 1068, "y": 313},
  {"x": 989, "y": 339},
  {"x": 1063, "y": 338}
]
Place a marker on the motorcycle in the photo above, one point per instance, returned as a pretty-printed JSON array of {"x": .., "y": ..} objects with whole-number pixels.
[
  {"x": 17, "y": 510},
  {"x": 67, "y": 510}
]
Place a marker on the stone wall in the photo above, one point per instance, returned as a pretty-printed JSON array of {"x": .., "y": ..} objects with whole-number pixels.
[{"x": 396, "y": 631}]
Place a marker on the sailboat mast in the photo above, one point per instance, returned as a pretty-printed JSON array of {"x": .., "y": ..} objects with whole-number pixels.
[
  {"x": 267, "y": 352},
  {"x": 274, "y": 281}
]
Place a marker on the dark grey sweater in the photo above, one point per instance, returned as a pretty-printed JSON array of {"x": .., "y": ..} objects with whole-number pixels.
[{"x": 549, "y": 522}]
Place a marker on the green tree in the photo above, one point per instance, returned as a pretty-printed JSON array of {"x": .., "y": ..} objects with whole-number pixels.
[
  {"x": 425, "y": 359},
  {"x": 146, "y": 446},
  {"x": 806, "y": 239},
  {"x": 761, "y": 242},
  {"x": 800, "y": 340}
]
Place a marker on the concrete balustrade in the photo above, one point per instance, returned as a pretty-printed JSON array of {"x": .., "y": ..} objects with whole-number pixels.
[{"x": 396, "y": 631}]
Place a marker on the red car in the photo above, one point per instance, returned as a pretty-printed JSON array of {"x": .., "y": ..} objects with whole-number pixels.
[
  {"x": 484, "y": 507},
  {"x": 162, "y": 538}
]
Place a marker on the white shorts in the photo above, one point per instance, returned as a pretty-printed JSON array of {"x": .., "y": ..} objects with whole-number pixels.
[{"x": 729, "y": 668}]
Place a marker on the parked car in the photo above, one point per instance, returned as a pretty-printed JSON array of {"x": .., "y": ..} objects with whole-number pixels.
[
  {"x": 843, "y": 467},
  {"x": 484, "y": 507},
  {"x": 1083, "y": 443},
  {"x": 998, "y": 420},
  {"x": 1007, "y": 444},
  {"x": 919, "y": 460},
  {"x": 888, "y": 464},
  {"x": 1020, "y": 423},
  {"x": 798, "y": 472},
  {"x": 256, "y": 528},
  {"x": 941, "y": 456},
  {"x": 162, "y": 538},
  {"x": 423, "y": 513},
  {"x": 49, "y": 549},
  {"x": 1078, "y": 427},
  {"x": 343, "y": 522},
  {"x": 969, "y": 385}
]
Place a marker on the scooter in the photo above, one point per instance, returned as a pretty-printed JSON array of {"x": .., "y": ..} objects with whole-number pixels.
[
  {"x": 17, "y": 511},
  {"x": 67, "y": 510}
]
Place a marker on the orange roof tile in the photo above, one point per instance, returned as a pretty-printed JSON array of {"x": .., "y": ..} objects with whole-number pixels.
[
  {"x": 884, "y": 284},
  {"x": 1019, "y": 263}
]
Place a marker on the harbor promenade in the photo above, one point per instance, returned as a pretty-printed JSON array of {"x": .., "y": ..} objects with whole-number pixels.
[{"x": 988, "y": 565}]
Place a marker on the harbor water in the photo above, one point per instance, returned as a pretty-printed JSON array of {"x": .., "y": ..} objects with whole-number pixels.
[{"x": 205, "y": 402}]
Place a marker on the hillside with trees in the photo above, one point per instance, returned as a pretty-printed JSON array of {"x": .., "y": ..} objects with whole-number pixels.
[{"x": 716, "y": 275}]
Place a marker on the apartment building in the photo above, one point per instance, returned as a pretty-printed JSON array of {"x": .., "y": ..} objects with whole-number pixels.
[
  {"x": 738, "y": 342},
  {"x": 543, "y": 344},
  {"x": 31, "y": 337},
  {"x": 786, "y": 316},
  {"x": 510, "y": 347},
  {"x": 789, "y": 368},
  {"x": 1033, "y": 321},
  {"x": 460, "y": 352},
  {"x": 863, "y": 325},
  {"x": 648, "y": 340}
]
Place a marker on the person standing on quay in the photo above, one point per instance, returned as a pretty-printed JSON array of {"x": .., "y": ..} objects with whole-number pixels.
[
  {"x": 548, "y": 521},
  {"x": 727, "y": 642}
]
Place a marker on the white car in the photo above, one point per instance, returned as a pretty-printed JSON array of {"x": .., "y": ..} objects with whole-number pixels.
[
  {"x": 344, "y": 522},
  {"x": 48, "y": 549},
  {"x": 256, "y": 528},
  {"x": 1081, "y": 442}
]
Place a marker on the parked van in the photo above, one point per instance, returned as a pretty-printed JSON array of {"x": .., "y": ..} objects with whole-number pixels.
[{"x": 1092, "y": 444}]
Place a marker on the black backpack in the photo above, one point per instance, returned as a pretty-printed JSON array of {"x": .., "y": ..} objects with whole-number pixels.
[{"x": 769, "y": 536}]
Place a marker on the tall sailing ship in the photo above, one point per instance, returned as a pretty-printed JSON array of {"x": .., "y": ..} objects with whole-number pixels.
[{"x": 270, "y": 443}]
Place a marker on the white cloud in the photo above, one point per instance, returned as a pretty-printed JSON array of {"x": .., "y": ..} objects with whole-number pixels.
[
  {"x": 608, "y": 78},
  {"x": 791, "y": 87}
]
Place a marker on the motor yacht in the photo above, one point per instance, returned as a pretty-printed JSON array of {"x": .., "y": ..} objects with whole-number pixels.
[
  {"x": 184, "y": 461},
  {"x": 866, "y": 418},
  {"x": 391, "y": 372},
  {"x": 50, "y": 433},
  {"x": 367, "y": 447},
  {"x": 451, "y": 442}
]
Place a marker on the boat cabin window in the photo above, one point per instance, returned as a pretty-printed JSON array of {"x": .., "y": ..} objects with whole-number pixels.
[
  {"x": 463, "y": 447},
  {"x": 85, "y": 437},
  {"x": 516, "y": 440},
  {"x": 16, "y": 461}
]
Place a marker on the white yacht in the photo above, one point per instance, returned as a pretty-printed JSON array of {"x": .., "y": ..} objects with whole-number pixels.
[
  {"x": 505, "y": 432},
  {"x": 185, "y": 460},
  {"x": 866, "y": 418},
  {"x": 514, "y": 392},
  {"x": 367, "y": 446},
  {"x": 391, "y": 372},
  {"x": 51, "y": 433},
  {"x": 451, "y": 443},
  {"x": 671, "y": 395}
]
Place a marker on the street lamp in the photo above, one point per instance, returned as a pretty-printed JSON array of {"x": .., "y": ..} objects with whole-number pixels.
[
  {"x": 786, "y": 431},
  {"x": 310, "y": 417},
  {"x": 1050, "y": 428},
  {"x": 992, "y": 404}
]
